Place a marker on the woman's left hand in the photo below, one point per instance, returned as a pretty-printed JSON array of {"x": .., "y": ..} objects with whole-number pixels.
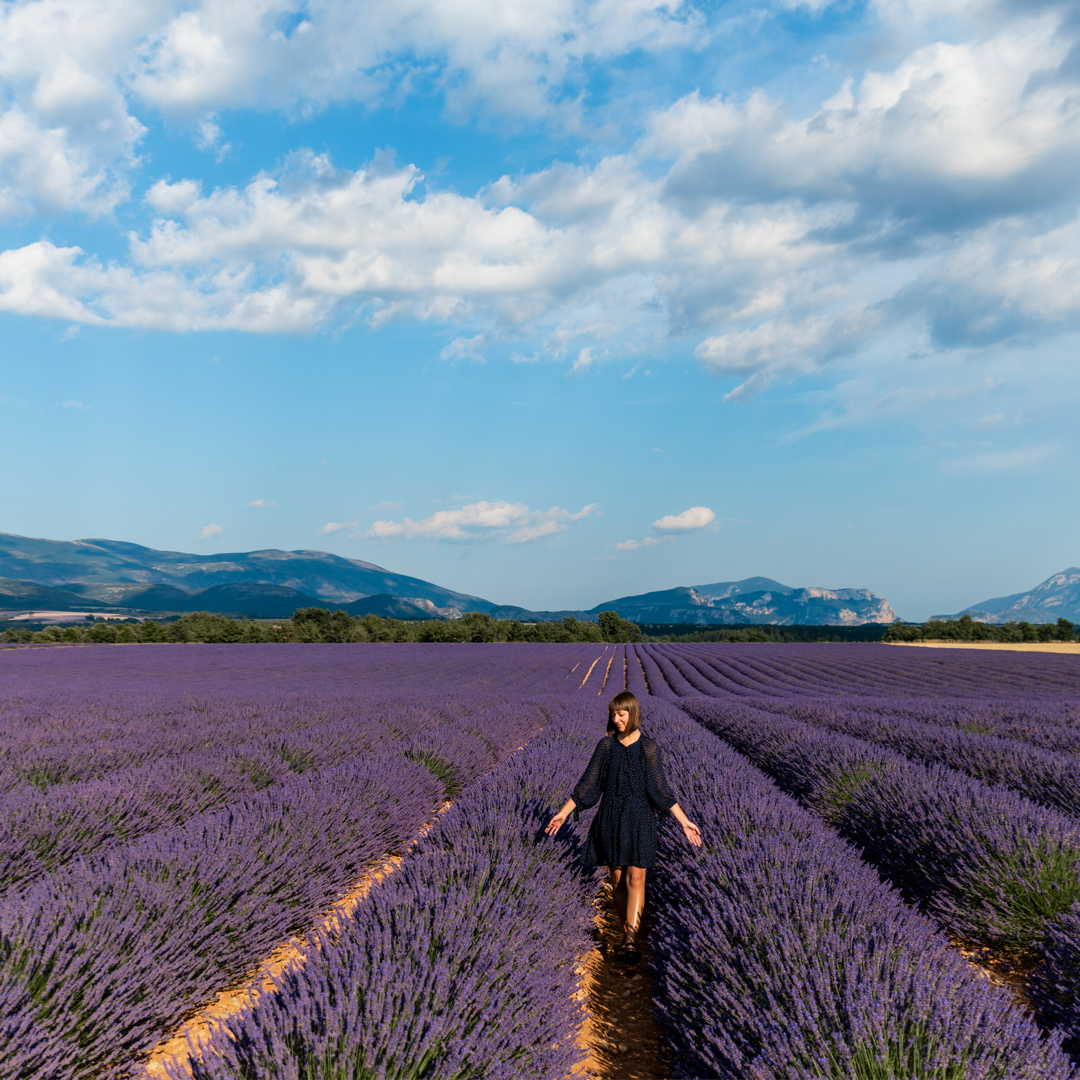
[{"x": 693, "y": 833}]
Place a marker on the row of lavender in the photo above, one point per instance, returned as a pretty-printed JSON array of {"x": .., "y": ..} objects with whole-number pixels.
[
  {"x": 106, "y": 954},
  {"x": 1046, "y": 775},
  {"x": 889, "y": 671},
  {"x": 198, "y": 670},
  {"x": 168, "y": 783},
  {"x": 772, "y": 1023},
  {"x": 92, "y": 772},
  {"x": 1043, "y": 709},
  {"x": 990, "y": 865},
  {"x": 134, "y": 896},
  {"x": 462, "y": 964},
  {"x": 780, "y": 954}
]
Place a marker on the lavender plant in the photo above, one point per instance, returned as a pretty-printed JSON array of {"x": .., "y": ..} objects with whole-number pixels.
[
  {"x": 780, "y": 955},
  {"x": 102, "y": 958},
  {"x": 987, "y": 863},
  {"x": 461, "y": 965}
]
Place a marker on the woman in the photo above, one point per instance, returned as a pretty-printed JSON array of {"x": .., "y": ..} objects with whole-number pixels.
[{"x": 626, "y": 770}]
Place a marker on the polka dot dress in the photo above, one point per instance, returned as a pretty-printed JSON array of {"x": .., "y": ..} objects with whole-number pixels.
[{"x": 629, "y": 784}]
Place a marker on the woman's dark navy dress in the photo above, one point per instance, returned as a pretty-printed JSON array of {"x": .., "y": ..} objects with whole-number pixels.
[{"x": 632, "y": 783}]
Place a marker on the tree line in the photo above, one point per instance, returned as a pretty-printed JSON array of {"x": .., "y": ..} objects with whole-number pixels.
[
  {"x": 761, "y": 632},
  {"x": 322, "y": 625},
  {"x": 316, "y": 624},
  {"x": 967, "y": 629}
]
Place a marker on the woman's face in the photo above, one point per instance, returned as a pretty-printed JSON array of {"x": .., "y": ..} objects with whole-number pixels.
[{"x": 620, "y": 719}]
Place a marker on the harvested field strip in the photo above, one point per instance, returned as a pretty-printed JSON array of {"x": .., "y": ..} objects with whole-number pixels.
[
  {"x": 268, "y": 976},
  {"x": 998, "y": 646}
]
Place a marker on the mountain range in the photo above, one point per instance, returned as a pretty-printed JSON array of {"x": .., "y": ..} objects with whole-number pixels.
[
  {"x": 755, "y": 600},
  {"x": 112, "y": 575},
  {"x": 1058, "y": 597}
]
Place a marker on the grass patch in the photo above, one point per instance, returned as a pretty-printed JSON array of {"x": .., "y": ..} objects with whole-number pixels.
[{"x": 440, "y": 768}]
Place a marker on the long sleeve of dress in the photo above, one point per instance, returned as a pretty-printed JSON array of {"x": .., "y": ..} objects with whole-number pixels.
[
  {"x": 657, "y": 789},
  {"x": 591, "y": 785}
]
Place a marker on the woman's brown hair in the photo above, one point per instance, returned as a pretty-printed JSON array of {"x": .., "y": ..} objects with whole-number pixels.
[{"x": 624, "y": 702}]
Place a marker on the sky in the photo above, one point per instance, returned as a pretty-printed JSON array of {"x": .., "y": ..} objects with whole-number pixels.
[{"x": 550, "y": 302}]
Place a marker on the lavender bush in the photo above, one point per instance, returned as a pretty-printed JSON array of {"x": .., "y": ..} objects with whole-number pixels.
[
  {"x": 987, "y": 863},
  {"x": 887, "y": 671},
  {"x": 461, "y": 964},
  {"x": 1044, "y": 776},
  {"x": 129, "y": 902},
  {"x": 781, "y": 956},
  {"x": 1053, "y": 985},
  {"x": 169, "y": 813},
  {"x": 101, "y": 959}
]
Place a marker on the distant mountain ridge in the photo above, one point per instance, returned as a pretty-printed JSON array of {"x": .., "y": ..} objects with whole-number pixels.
[
  {"x": 754, "y": 600},
  {"x": 124, "y": 567},
  {"x": 1058, "y": 597},
  {"x": 93, "y": 575}
]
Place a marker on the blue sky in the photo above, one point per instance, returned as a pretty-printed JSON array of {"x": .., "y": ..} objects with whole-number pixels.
[{"x": 549, "y": 302}]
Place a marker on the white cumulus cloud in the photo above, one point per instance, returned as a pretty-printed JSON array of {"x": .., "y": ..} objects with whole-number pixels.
[
  {"x": 934, "y": 192},
  {"x": 209, "y": 530},
  {"x": 697, "y": 517},
  {"x": 261, "y": 504},
  {"x": 633, "y": 545},
  {"x": 510, "y": 523},
  {"x": 332, "y": 527}
]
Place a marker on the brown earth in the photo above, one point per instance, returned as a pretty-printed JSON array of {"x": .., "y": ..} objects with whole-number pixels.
[
  {"x": 1008, "y": 969},
  {"x": 1001, "y": 646},
  {"x": 619, "y": 1032}
]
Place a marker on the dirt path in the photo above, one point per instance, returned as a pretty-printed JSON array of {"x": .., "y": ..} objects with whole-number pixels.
[
  {"x": 591, "y": 666},
  {"x": 1009, "y": 970},
  {"x": 619, "y": 1032},
  {"x": 265, "y": 978},
  {"x": 1000, "y": 646},
  {"x": 607, "y": 674}
]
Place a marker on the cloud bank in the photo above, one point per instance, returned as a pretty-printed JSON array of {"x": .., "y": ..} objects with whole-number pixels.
[
  {"x": 504, "y": 522},
  {"x": 930, "y": 201}
]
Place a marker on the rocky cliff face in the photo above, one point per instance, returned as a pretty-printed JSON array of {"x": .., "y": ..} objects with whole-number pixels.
[
  {"x": 754, "y": 600},
  {"x": 1058, "y": 597}
]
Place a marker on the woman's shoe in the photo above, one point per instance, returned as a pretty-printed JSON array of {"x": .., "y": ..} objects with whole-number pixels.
[{"x": 628, "y": 953}]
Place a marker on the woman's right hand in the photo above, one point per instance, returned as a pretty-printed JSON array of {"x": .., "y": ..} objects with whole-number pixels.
[{"x": 556, "y": 823}]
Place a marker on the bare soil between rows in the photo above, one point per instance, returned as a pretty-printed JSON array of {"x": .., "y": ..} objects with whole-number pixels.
[{"x": 619, "y": 1034}]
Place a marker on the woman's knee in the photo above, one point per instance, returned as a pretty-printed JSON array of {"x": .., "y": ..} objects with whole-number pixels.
[{"x": 635, "y": 877}]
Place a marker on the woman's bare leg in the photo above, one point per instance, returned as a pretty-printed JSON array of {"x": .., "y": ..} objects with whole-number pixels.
[
  {"x": 618, "y": 891},
  {"x": 635, "y": 899}
]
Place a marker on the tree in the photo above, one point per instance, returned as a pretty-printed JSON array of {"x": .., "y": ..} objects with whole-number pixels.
[
  {"x": 1066, "y": 631},
  {"x": 102, "y": 632},
  {"x": 615, "y": 628},
  {"x": 177, "y": 631}
]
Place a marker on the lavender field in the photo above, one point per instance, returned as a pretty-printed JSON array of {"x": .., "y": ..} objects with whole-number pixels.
[{"x": 871, "y": 815}]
